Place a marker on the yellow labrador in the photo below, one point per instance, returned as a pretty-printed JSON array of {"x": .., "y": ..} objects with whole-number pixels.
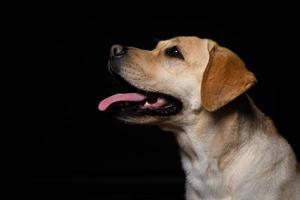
[{"x": 196, "y": 89}]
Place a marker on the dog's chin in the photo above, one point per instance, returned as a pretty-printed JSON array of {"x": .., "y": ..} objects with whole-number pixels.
[{"x": 150, "y": 120}]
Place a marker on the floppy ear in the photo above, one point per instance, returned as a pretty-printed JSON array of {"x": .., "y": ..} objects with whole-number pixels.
[{"x": 225, "y": 78}]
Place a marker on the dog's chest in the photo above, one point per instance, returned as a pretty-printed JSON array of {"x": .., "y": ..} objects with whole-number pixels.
[
  {"x": 205, "y": 180},
  {"x": 203, "y": 177}
]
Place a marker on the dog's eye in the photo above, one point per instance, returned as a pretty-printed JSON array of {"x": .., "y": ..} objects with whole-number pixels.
[{"x": 174, "y": 52}]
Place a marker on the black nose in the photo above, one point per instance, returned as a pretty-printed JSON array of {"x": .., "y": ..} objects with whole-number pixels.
[{"x": 117, "y": 51}]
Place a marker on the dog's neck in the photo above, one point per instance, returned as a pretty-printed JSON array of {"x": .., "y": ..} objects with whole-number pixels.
[
  {"x": 222, "y": 131},
  {"x": 223, "y": 151},
  {"x": 208, "y": 146}
]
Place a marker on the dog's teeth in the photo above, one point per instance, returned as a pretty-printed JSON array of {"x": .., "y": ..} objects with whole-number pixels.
[{"x": 147, "y": 104}]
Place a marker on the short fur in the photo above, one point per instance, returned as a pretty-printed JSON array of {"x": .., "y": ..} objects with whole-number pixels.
[{"x": 230, "y": 150}]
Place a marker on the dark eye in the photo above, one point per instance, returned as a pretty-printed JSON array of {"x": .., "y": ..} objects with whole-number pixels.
[{"x": 174, "y": 52}]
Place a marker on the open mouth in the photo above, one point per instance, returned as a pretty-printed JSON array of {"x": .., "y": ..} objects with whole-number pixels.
[{"x": 140, "y": 102}]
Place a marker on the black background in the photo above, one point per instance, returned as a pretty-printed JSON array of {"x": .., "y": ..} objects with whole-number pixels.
[{"x": 62, "y": 147}]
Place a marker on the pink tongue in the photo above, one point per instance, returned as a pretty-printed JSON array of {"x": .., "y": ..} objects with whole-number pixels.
[{"x": 104, "y": 104}]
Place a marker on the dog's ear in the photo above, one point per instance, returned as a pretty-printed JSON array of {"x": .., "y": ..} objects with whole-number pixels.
[{"x": 225, "y": 78}]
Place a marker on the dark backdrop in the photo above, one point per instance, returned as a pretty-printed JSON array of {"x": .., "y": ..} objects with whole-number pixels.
[{"x": 63, "y": 147}]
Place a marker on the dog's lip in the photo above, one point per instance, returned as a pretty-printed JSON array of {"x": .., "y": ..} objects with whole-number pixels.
[
  {"x": 146, "y": 103},
  {"x": 142, "y": 103}
]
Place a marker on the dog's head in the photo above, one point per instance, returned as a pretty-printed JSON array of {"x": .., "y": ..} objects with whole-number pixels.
[{"x": 177, "y": 79}]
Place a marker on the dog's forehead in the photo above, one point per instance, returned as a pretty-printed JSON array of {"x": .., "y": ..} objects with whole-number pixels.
[{"x": 184, "y": 41}]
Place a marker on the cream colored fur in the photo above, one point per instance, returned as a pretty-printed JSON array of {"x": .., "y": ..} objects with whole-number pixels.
[{"x": 230, "y": 150}]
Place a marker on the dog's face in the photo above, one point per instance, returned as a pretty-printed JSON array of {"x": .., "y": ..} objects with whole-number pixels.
[{"x": 177, "y": 79}]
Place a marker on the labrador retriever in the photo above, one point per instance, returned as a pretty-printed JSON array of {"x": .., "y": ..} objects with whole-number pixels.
[{"x": 197, "y": 89}]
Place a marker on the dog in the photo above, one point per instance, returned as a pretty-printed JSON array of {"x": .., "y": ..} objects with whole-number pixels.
[{"x": 197, "y": 89}]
